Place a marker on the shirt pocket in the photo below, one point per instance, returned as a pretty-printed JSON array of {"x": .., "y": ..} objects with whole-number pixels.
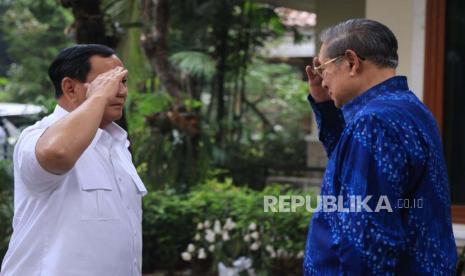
[{"x": 98, "y": 200}]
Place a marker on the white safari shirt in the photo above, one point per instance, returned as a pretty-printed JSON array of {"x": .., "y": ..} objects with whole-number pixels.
[{"x": 86, "y": 222}]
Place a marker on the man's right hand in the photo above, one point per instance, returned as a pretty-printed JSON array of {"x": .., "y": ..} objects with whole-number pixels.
[
  {"x": 106, "y": 85},
  {"x": 316, "y": 90}
]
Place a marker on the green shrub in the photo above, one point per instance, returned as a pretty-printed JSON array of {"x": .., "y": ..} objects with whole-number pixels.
[
  {"x": 167, "y": 226},
  {"x": 274, "y": 241},
  {"x": 6, "y": 205}
]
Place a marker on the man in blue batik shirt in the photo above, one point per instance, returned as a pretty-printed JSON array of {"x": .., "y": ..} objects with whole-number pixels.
[{"x": 382, "y": 143}]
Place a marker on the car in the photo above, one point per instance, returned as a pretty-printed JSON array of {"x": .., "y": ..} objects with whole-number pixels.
[{"x": 13, "y": 118}]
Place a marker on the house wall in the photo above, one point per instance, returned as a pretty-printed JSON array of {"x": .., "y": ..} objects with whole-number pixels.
[
  {"x": 406, "y": 18},
  {"x": 331, "y": 12}
]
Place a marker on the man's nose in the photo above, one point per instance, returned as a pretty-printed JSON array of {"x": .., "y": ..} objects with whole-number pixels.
[{"x": 123, "y": 91}]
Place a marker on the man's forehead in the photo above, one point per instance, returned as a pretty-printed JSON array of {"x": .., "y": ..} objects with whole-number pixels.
[{"x": 101, "y": 64}]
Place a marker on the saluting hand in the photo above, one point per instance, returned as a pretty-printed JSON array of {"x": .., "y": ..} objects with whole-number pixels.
[
  {"x": 107, "y": 84},
  {"x": 316, "y": 90}
]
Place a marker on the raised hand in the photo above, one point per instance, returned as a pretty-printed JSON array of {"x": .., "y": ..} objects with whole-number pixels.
[
  {"x": 316, "y": 90},
  {"x": 106, "y": 85}
]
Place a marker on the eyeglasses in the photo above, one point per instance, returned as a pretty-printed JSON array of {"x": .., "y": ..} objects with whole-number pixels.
[{"x": 321, "y": 68}]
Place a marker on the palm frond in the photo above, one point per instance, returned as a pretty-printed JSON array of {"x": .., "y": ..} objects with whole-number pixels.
[
  {"x": 194, "y": 63},
  {"x": 116, "y": 9}
]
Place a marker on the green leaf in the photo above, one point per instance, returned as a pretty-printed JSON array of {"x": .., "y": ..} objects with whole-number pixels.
[{"x": 194, "y": 63}]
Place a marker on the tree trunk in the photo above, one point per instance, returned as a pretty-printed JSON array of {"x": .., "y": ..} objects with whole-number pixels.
[
  {"x": 89, "y": 23},
  {"x": 154, "y": 41},
  {"x": 222, "y": 34},
  {"x": 156, "y": 15}
]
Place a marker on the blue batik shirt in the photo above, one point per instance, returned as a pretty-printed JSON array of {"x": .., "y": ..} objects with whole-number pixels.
[{"x": 384, "y": 144}]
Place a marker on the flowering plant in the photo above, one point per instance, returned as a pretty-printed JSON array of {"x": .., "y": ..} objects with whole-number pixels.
[
  {"x": 208, "y": 238},
  {"x": 226, "y": 243},
  {"x": 223, "y": 223}
]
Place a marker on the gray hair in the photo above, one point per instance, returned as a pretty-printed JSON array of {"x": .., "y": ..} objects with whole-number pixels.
[{"x": 371, "y": 40}]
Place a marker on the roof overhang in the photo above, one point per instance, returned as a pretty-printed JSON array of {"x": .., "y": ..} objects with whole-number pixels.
[{"x": 303, "y": 5}]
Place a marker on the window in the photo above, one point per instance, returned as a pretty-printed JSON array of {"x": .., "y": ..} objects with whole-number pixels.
[{"x": 454, "y": 98}]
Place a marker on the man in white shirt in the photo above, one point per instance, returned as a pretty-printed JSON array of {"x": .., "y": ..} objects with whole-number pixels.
[{"x": 77, "y": 193}]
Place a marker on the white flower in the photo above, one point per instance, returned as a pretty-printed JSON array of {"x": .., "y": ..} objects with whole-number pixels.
[
  {"x": 255, "y": 235},
  {"x": 199, "y": 226},
  {"x": 247, "y": 238},
  {"x": 252, "y": 226},
  {"x": 255, "y": 246},
  {"x": 300, "y": 255},
  {"x": 226, "y": 236},
  {"x": 207, "y": 224},
  {"x": 270, "y": 250},
  {"x": 202, "y": 254},
  {"x": 286, "y": 254},
  {"x": 210, "y": 236},
  {"x": 186, "y": 256},
  {"x": 242, "y": 264},
  {"x": 277, "y": 128},
  {"x": 282, "y": 253},
  {"x": 190, "y": 248},
  {"x": 197, "y": 237},
  {"x": 256, "y": 137},
  {"x": 217, "y": 227},
  {"x": 211, "y": 248},
  {"x": 230, "y": 224}
]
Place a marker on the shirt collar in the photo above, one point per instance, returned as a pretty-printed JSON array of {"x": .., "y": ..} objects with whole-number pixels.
[
  {"x": 111, "y": 132},
  {"x": 59, "y": 112},
  {"x": 397, "y": 83},
  {"x": 116, "y": 132}
]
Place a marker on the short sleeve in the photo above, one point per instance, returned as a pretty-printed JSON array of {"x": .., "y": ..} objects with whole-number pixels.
[{"x": 34, "y": 177}]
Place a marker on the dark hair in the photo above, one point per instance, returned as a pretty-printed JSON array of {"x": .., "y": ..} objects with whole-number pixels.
[
  {"x": 73, "y": 62},
  {"x": 369, "y": 39}
]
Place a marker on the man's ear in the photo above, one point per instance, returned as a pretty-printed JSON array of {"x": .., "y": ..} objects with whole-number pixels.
[
  {"x": 354, "y": 62},
  {"x": 68, "y": 86}
]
